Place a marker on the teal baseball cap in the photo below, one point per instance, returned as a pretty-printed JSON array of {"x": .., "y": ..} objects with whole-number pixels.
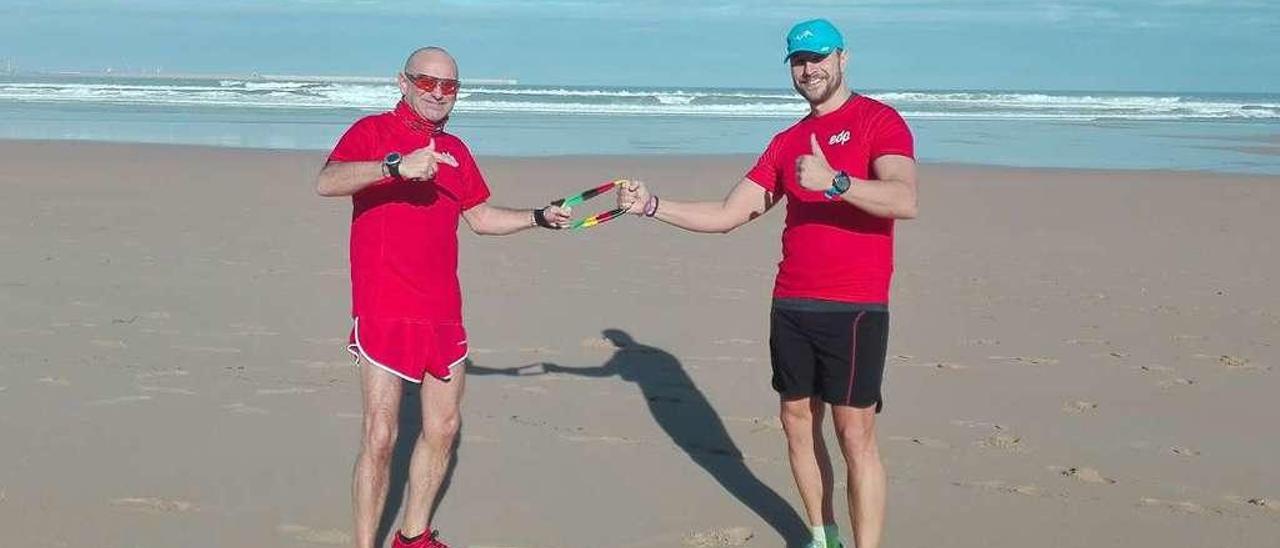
[{"x": 815, "y": 36}]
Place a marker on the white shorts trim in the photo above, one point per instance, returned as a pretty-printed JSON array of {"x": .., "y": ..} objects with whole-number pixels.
[{"x": 358, "y": 352}]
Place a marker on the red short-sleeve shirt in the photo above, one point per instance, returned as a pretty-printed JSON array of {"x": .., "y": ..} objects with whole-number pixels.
[
  {"x": 404, "y": 243},
  {"x": 832, "y": 250}
]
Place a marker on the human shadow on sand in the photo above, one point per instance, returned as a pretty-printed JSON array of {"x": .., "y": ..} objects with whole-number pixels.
[{"x": 681, "y": 410}]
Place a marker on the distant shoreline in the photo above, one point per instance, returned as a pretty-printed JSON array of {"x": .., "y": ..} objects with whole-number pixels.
[{"x": 252, "y": 76}]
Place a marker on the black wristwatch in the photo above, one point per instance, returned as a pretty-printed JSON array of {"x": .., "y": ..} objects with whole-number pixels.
[
  {"x": 839, "y": 185},
  {"x": 392, "y": 161}
]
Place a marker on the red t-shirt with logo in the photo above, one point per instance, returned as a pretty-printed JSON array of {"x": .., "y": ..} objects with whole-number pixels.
[
  {"x": 404, "y": 241},
  {"x": 832, "y": 250}
]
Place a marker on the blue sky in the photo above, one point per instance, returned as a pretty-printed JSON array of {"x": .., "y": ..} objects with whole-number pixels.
[{"x": 1147, "y": 45}]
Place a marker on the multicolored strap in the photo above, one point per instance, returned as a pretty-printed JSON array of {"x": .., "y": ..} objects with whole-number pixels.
[
  {"x": 588, "y": 194},
  {"x": 597, "y": 219}
]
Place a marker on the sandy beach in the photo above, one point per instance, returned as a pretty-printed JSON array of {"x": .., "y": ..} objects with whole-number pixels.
[{"x": 1078, "y": 359}]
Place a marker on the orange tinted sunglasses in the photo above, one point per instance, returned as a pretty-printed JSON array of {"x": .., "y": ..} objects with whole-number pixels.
[{"x": 428, "y": 83}]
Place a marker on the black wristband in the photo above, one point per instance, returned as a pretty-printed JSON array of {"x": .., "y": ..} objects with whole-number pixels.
[{"x": 540, "y": 218}]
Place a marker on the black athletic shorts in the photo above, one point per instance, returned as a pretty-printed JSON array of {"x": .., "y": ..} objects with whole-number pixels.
[{"x": 830, "y": 349}]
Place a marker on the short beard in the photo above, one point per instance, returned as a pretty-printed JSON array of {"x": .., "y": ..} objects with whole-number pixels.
[{"x": 833, "y": 83}]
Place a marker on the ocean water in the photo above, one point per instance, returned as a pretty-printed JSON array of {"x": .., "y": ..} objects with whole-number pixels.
[{"x": 1203, "y": 131}]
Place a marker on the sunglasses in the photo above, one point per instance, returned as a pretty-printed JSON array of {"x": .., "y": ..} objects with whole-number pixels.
[{"x": 428, "y": 84}]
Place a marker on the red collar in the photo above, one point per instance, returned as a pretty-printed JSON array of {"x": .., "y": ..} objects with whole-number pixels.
[{"x": 415, "y": 122}]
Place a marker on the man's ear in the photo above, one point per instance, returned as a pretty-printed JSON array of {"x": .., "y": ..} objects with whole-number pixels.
[{"x": 403, "y": 83}]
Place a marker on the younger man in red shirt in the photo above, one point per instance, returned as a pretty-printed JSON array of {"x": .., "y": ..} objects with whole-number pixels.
[{"x": 847, "y": 171}]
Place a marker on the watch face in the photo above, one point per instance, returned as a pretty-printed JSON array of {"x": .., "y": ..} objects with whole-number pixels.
[
  {"x": 841, "y": 182},
  {"x": 392, "y": 159}
]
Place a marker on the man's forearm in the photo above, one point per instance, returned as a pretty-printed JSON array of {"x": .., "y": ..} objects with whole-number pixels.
[
  {"x": 697, "y": 216},
  {"x": 347, "y": 178},
  {"x": 500, "y": 221},
  {"x": 889, "y": 198}
]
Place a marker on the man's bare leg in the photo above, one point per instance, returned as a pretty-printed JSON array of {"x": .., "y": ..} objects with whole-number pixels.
[
  {"x": 807, "y": 452},
  {"x": 381, "y": 392},
  {"x": 856, "y": 430},
  {"x": 441, "y": 418}
]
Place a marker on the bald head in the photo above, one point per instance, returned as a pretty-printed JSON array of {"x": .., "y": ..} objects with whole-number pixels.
[
  {"x": 431, "y": 66},
  {"x": 431, "y": 60}
]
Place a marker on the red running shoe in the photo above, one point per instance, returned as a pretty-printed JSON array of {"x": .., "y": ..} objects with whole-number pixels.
[{"x": 422, "y": 541}]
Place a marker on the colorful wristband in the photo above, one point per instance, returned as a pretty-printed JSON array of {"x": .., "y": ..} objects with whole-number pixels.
[{"x": 651, "y": 207}]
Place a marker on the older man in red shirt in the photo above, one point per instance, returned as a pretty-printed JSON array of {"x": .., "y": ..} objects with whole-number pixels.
[{"x": 410, "y": 182}]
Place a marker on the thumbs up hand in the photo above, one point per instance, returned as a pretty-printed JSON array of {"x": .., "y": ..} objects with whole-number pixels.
[{"x": 812, "y": 170}]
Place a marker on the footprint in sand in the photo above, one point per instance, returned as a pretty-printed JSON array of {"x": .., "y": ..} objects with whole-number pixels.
[
  {"x": 119, "y": 400},
  {"x": 1179, "y": 505},
  {"x": 1258, "y": 502},
  {"x": 326, "y": 341},
  {"x": 477, "y": 438},
  {"x": 735, "y": 341},
  {"x": 729, "y": 293},
  {"x": 936, "y": 366},
  {"x": 760, "y": 424},
  {"x": 154, "y": 505},
  {"x": 1003, "y": 442},
  {"x": 735, "y": 536},
  {"x": 244, "y": 409},
  {"x": 252, "y": 330},
  {"x": 322, "y": 365},
  {"x": 1087, "y": 475},
  {"x": 1087, "y": 341},
  {"x": 1235, "y": 362},
  {"x": 546, "y": 351},
  {"x": 923, "y": 442},
  {"x": 1001, "y": 486},
  {"x": 525, "y": 388},
  {"x": 285, "y": 391},
  {"x": 610, "y": 440},
  {"x": 1176, "y": 382},
  {"x": 1154, "y": 369},
  {"x": 167, "y": 390},
  {"x": 1183, "y": 451},
  {"x": 314, "y": 536},
  {"x": 1079, "y": 407},
  {"x": 208, "y": 349},
  {"x": 977, "y": 424},
  {"x": 164, "y": 373},
  {"x": 1025, "y": 360}
]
